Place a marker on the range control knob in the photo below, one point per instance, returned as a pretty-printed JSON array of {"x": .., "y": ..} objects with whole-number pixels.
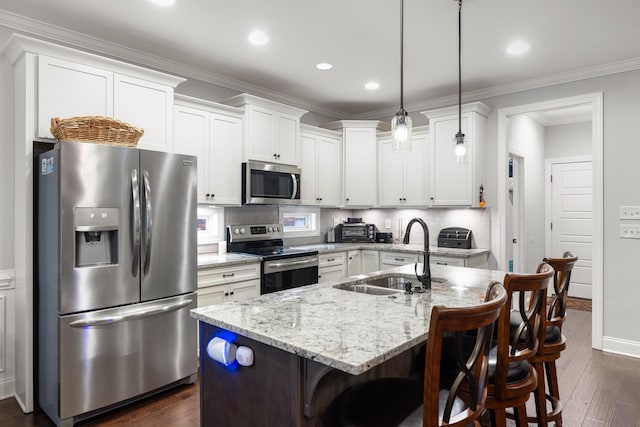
[
  {"x": 278, "y": 228},
  {"x": 236, "y": 231},
  {"x": 242, "y": 231}
]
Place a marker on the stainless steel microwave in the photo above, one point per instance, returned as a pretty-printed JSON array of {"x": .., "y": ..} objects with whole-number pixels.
[{"x": 270, "y": 184}]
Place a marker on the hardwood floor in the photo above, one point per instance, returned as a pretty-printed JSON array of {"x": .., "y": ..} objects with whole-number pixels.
[{"x": 597, "y": 390}]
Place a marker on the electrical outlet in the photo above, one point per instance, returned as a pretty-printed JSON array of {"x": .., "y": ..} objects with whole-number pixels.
[
  {"x": 387, "y": 223},
  {"x": 336, "y": 221},
  {"x": 630, "y": 212},
  {"x": 628, "y": 231}
]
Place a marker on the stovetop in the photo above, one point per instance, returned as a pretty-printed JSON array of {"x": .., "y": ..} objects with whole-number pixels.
[{"x": 264, "y": 240}]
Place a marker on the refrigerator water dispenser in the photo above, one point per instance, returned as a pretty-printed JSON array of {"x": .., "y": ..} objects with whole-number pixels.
[{"x": 96, "y": 236}]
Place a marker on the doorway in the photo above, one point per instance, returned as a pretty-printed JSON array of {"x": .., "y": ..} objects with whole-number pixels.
[
  {"x": 595, "y": 105},
  {"x": 515, "y": 212}
]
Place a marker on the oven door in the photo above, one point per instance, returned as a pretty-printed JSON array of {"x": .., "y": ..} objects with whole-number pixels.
[
  {"x": 289, "y": 273},
  {"x": 264, "y": 183}
]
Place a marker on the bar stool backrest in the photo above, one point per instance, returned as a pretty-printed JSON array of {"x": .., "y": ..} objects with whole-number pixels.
[{"x": 557, "y": 310}]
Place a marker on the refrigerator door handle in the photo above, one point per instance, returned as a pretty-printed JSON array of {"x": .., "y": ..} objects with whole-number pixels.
[
  {"x": 133, "y": 315},
  {"x": 135, "y": 189},
  {"x": 295, "y": 186},
  {"x": 148, "y": 221}
]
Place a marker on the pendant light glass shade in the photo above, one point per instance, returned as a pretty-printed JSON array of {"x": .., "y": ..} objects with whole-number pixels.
[
  {"x": 401, "y": 122},
  {"x": 401, "y": 131}
]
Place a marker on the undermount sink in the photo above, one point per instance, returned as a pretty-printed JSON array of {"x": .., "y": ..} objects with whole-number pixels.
[
  {"x": 385, "y": 285},
  {"x": 367, "y": 289}
]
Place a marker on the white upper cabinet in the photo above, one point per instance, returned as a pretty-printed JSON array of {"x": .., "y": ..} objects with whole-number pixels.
[
  {"x": 320, "y": 164},
  {"x": 67, "y": 89},
  {"x": 213, "y": 133},
  {"x": 403, "y": 175},
  {"x": 72, "y": 83},
  {"x": 271, "y": 129},
  {"x": 453, "y": 181},
  {"x": 359, "y": 142},
  {"x": 147, "y": 105}
]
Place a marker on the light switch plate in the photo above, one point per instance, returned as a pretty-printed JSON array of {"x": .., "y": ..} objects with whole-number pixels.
[
  {"x": 628, "y": 231},
  {"x": 387, "y": 223},
  {"x": 630, "y": 212}
]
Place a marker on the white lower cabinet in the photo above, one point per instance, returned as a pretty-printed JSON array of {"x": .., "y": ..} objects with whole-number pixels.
[
  {"x": 354, "y": 263},
  {"x": 397, "y": 259},
  {"x": 474, "y": 261},
  {"x": 234, "y": 283},
  {"x": 332, "y": 266},
  {"x": 370, "y": 261}
]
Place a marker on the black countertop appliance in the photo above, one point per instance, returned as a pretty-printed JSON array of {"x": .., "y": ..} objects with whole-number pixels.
[{"x": 454, "y": 237}]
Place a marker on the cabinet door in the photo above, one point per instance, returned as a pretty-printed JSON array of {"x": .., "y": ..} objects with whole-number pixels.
[
  {"x": 327, "y": 274},
  {"x": 261, "y": 134},
  {"x": 146, "y": 105},
  {"x": 308, "y": 163},
  {"x": 240, "y": 291},
  {"x": 450, "y": 178},
  {"x": 390, "y": 174},
  {"x": 327, "y": 171},
  {"x": 287, "y": 128},
  {"x": 416, "y": 172},
  {"x": 211, "y": 295},
  {"x": 354, "y": 263},
  {"x": 191, "y": 136},
  {"x": 225, "y": 159},
  {"x": 370, "y": 261},
  {"x": 359, "y": 167},
  {"x": 67, "y": 89}
]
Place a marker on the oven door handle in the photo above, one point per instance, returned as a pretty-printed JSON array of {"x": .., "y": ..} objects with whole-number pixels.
[
  {"x": 277, "y": 266},
  {"x": 295, "y": 186}
]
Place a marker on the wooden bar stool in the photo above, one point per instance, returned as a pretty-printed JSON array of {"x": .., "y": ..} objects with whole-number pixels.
[
  {"x": 554, "y": 343},
  {"x": 387, "y": 402},
  {"x": 512, "y": 377}
]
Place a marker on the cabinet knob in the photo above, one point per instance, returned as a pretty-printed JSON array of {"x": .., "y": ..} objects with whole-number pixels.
[
  {"x": 275, "y": 156},
  {"x": 213, "y": 195},
  {"x": 232, "y": 293},
  {"x": 207, "y": 195},
  {"x": 320, "y": 199},
  {"x": 431, "y": 198},
  {"x": 347, "y": 199}
]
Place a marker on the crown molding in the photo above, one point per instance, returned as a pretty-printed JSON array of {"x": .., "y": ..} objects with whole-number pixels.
[{"x": 102, "y": 47}]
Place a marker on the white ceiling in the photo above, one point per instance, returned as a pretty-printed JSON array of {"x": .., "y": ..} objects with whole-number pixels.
[{"x": 207, "y": 39}]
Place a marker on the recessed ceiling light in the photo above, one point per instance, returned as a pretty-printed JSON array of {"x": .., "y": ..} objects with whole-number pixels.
[
  {"x": 518, "y": 47},
  {"x": 324, "y": 66},
  {"x": 372, "y": 85},
  {"x": 258, "y": 38},
  {"x": 164, "y": 2}
]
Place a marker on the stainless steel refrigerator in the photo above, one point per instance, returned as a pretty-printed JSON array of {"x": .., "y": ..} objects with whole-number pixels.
[{"x": 117, "y": 276}]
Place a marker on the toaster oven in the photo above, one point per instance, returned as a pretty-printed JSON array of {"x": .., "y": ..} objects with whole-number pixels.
[{"x": 355, "y": 232}]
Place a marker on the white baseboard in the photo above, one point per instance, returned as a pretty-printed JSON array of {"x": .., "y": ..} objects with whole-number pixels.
[
  {"x": 7, "y": 388},
  {"x": 622, "y": 347}
]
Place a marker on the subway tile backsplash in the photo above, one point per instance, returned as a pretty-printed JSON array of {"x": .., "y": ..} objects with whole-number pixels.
[{"x": 477, "y": 220}]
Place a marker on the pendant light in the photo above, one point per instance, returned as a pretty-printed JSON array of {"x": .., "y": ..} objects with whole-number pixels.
[
  {"x": 401, "y": 122},
  {"x": 459, "y": 139}
]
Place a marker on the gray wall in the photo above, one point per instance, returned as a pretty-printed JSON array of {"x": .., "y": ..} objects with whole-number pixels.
[
  {"x": 526, "y": 137},
  {"x": 568, "y": 140},
  {"x": 6, "y": 161}
]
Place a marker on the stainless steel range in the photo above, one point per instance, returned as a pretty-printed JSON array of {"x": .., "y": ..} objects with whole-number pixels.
[{"x": 282, "y": 268}]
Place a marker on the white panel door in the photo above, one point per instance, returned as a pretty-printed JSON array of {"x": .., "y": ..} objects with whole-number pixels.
[
  {"x": 450, "y": 177},
  {"x": 390, "y": 174},
  {"x": 261, "y": 134},
  {"x": 416, "y": 172},
  {"x": 572, "y": 221},
  {"x": 327, "y": 172},
  {"x": 308, "y": 163},
  {"x": 287, "y": 139}
]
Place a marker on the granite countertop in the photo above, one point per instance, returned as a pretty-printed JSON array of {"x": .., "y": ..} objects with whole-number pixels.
[
  {"x": 349, "y": 331},
  {"x": 212, "y": 260},
  {"x": 393, "y": 247}
]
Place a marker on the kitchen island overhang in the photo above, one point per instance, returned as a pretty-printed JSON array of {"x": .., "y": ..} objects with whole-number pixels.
[{"x": 319, "y": 340}]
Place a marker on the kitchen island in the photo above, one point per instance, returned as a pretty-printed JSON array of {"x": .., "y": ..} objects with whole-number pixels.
[{"x": 313, "y": 342}]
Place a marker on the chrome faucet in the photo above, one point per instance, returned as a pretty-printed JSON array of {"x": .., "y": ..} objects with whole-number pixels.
[{"x": 425, "y": 277}]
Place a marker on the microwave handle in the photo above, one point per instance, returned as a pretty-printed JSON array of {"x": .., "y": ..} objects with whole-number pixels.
[{"x": 295, "y": 186}]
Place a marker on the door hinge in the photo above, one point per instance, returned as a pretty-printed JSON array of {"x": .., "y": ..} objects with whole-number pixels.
[
  {"x": 551, "y": 224},
  {"x": 551, "y": 178}
]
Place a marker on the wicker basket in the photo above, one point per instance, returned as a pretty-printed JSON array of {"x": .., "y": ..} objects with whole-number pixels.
[{"x": 96, "y": 129}]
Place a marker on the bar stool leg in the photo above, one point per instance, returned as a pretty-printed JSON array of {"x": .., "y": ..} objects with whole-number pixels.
[
  {"x": 540, "y": 396},
  {"x": 554, "y": 390},
  {"x": 520, "y": 414}
]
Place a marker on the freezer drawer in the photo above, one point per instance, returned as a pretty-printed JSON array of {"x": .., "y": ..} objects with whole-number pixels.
[{"x": 111, "y": 355}]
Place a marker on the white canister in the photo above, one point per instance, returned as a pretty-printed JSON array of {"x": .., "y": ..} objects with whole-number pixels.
[{"x": 222, "y": 247}]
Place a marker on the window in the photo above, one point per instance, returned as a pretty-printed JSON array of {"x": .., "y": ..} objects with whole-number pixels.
[
  {"x": 300, "y": 221},
  {"x": 209, "y": 224}
]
